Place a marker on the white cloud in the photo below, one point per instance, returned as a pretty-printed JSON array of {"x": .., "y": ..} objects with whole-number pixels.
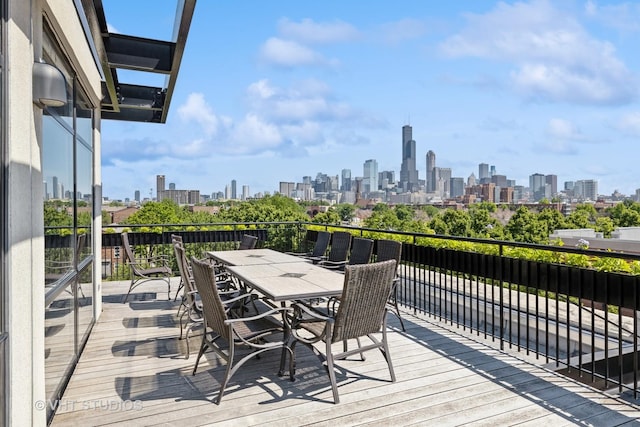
[
  {"x": 251, "y": 135},
  {"x": 555, "y": 59},
  {"x": 196, "y": 109},
  {"x": 563, "y": 129},
  {"x": 629, "y": 124},
  {"x": 624, "y": 17},
  {"x": 405, "y": 29},
  {"x": 305, "y": 100},
  {"x": 309, "y": 31},
  {"x": 289, "y": 53}
]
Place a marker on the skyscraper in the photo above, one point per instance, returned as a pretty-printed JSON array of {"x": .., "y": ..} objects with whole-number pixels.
[
  {"x": 408, "y": 171},
  {"x": 370, "y": 176},
  {"x": 483, "y": 172},
  {"x": 234, "y": 194},
  {"x": 538, "y": 186},
  {"x": 552, "y": 180},
  {"x": 586, "y": 189},
  {"x": 159, "y": 187},
  {"x": 136, "y": 196},
  {"x": 346, "y": 180},
  {"x": 431, "y": 163}
]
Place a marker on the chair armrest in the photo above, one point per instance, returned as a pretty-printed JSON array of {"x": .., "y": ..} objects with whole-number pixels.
[
  {"x": 302, "y": 309},
  {"x": 333, "y": 265},
  {"x": 259, "y": 316}
]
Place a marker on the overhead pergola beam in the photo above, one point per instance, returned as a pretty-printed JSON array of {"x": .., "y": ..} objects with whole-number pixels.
[{"x": 134, "y": 102}]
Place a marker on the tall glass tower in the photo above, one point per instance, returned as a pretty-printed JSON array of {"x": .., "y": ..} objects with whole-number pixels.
[
  {"x": 370, "y": 178},
  {"x": 408, "y": 171},
  {"x": 431, "y": 163}
]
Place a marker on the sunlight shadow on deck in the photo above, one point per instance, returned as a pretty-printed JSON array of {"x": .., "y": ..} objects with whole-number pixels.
[{"x": 493, "y": 365}]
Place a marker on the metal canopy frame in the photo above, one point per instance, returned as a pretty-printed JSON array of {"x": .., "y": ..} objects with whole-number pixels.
[{"x": 134, "y": 102}]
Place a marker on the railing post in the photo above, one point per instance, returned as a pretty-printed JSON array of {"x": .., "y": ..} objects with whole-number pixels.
[{"x": 501, "y": 296}]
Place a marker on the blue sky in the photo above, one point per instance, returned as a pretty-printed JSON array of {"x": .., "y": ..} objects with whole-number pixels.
[{"x": 271, "y": 91}]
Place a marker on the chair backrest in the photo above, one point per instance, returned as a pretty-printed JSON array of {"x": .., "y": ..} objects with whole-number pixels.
[
  {"x": 248, "y": 242},
  {"x": 176, "y": 238},
  {"x": 128, "y": 253},
  {"x": 212, "y": 307},
  {"x": 321, "y": 245},
  {"x": 388, "y": 249},
  {"x": 364, "y": 298},
  {"x": 361, "y": 250},
  {"x": 340, "y": 244},
  {"x": 183, "y": 267}
]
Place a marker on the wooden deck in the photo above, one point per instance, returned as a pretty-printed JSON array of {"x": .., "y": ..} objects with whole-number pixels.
[{"x": 133, "y": 371}]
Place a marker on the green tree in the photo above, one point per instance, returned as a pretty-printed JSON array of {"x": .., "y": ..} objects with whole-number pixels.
[
  {"x": 551, "y": 219},
  {"x": 605, "y": 225},
  {"x": 275, "y": 208},
  {"x": 430, "y": 210},
  {"x": 482, "y": 223},
  {"x": 382, "y": 218},
  {"x": 438, "y": 225},
  {"x": 345, "y": 211},
  {"x": 328, "y": 217},
  {"x": 458, "y": 222},
  {"x": 164, "y": 212},
  {"x": 625, "y": 214},
  {"x": 55, "y": 215},
  {"x": 525, "y": 227}
]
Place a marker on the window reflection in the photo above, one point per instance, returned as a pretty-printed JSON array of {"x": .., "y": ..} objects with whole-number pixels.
[
  {"x": 67, "y": 167},
  {"x": 58, "y": 193}
]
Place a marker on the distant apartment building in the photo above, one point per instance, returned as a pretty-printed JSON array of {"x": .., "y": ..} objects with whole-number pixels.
[
  {"x": 552, "y": 181},
  {"x": 287, "y": 188},
  {"x": 136, "y": 196},
  {"x": 370, "y": 176},
  {"x": 245, "y": 192},
  {"x": 457, "y": 187},
  {"x": 586, "y": 189},
  {"x": 499, "y": 180},
  {"x": 539, "y": 187},
  {"x": 444, "y": 182},
  {"x": 506, "y": 195},
  {"x": 386, "y": 179},
  {"x": 160, "y": 187}
]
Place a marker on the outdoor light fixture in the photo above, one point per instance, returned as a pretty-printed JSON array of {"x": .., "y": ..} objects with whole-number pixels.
[{"x": 49, "y": 85}]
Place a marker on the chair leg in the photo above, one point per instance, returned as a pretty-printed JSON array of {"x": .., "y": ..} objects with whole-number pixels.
[
  {"x": 385, "y": 346},
  {"x": 396, "y": 308},
  {"x": 332, "y": 374},
  {"x": 227, "y": 374},
  {"x": 203, "y": 346},
  {"x": 180, "y": 286}
]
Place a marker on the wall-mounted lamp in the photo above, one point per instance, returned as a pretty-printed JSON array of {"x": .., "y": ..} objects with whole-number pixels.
[{"x": 49, "y": 85}]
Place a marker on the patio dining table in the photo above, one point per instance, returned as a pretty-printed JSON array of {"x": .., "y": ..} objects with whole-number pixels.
[
  {"x": 251, "y": 257},
  {"x": 288, "y": 281}
]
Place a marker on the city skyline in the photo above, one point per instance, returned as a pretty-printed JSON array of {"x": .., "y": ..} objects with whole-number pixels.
[{"x": 531, "y": 87}]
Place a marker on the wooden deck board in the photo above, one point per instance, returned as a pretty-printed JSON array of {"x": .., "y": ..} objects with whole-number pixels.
[{"x": 134, "y": 370}]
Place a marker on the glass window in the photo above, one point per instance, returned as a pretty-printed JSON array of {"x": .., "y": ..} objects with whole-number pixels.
[{"x": 67, "y": 165}]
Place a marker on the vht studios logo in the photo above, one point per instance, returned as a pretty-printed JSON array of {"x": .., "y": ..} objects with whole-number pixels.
[{"x": 65, "y": 405}]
